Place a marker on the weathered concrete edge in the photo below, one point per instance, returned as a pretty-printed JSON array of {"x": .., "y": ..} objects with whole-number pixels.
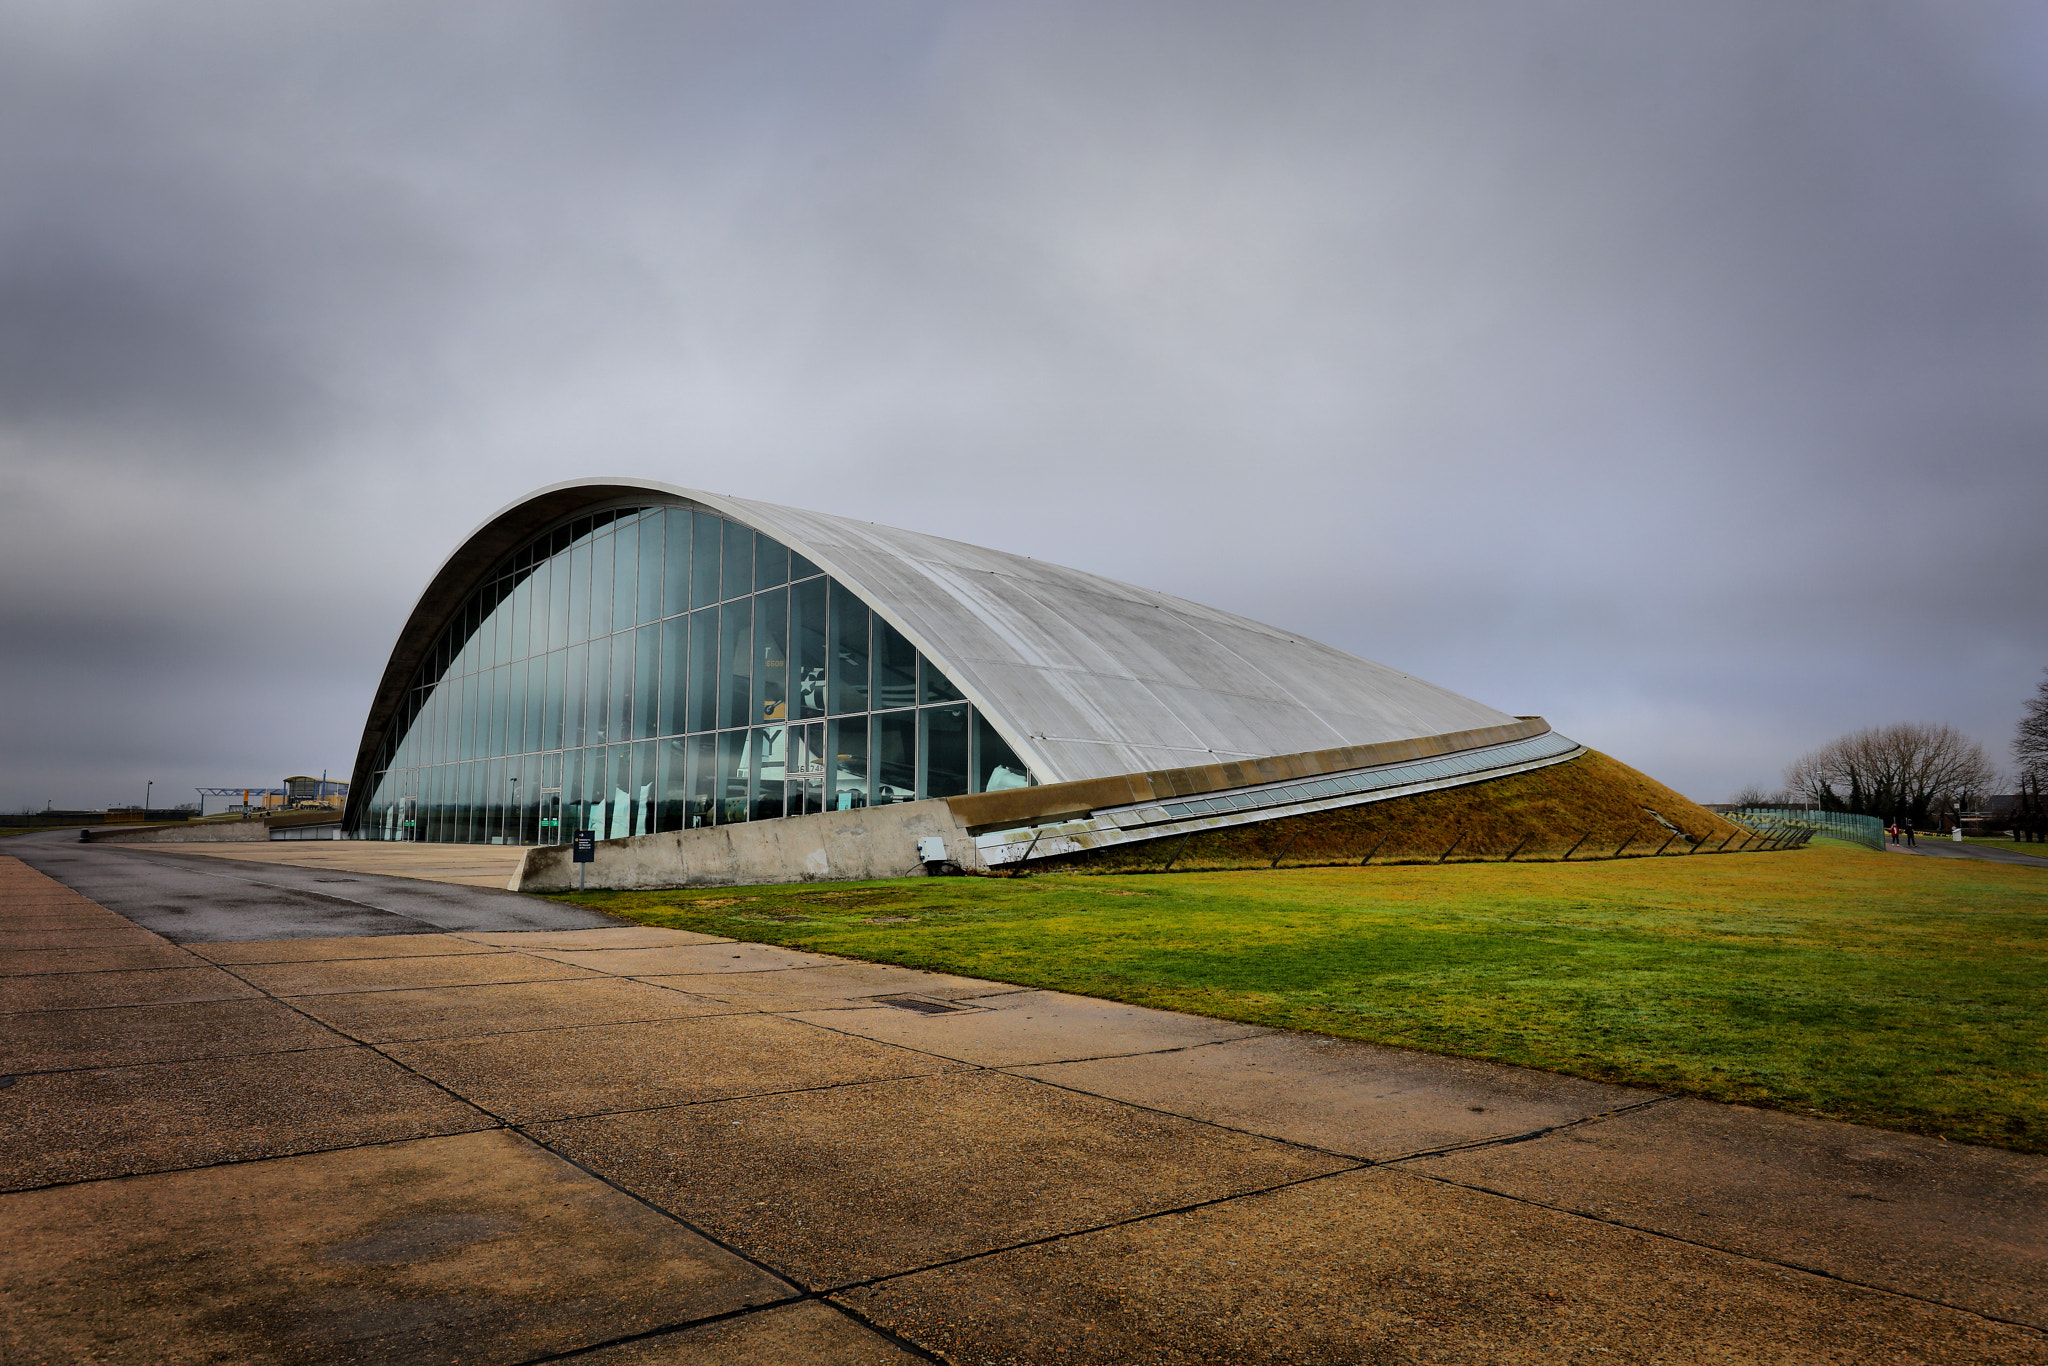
[
  {"x": 250, "y": 829},
  {"x": 830, "y": 846},
  {"x": 1018, "y": 805},
  {"x": 881, "y": 841}
]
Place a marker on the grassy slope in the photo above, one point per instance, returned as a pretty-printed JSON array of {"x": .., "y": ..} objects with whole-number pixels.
[
  {"x": 1593, "y": 799},
  {"x": 1830, "y": 980}
]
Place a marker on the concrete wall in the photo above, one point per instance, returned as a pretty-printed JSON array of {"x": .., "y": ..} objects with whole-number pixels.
[
  {"x": 832, "y": 846},
  {"x": 229, "y": 832}
]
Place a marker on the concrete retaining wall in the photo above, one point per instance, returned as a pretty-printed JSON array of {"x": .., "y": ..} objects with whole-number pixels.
[
  {"x": 228, "y": 832},
  {"x": 832, "y": 846}
]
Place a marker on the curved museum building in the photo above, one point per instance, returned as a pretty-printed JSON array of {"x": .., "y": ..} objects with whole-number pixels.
[{"x": 637, "y": 659}]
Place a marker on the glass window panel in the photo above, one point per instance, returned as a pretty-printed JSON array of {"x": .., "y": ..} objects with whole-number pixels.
[
  {"x": 643, "y": 795},
  {"x": 613, "y": 819},
  {"x": 471, "y": 715},
  {"x": 534, "y": 683},
  {"x": 501, "y": 707},
  {"x": 651, "y": 527},
  {"x": 770, "y": 754},
  {"x": 558, "y": 602},
  {"x": 506, "y": 614},
  {"x": 596, "y": 791},
  {"x": 807, "y": 654},
  {"x": 572, "y": 787},
  {"x": 579, "y": 594},
  {"x": 597, "y": 697},
  {"x": 801, "y": 568},
  {"x": 739, "y": 560},
  {"x": 646, "y": 645},
  {"x": 700, "y": 800},
  {"x": 551, "y": 702},
  {"x": 771, "y": 656},
  {"x": 806, "y": 768},
  {"x": 732, "y": 776},
  {"x": 675, "y": 678},
  {"x": 771, "y": 563},
  {"x": 935, "y": 686},
  {"x": 942, "y": 751},
  {"x": 735, "y": 663},
  {"x": 675, "y": 593},
  {"x": 491, "y": 801},
  {"x": 893, "y": 751},
  {"x": 996, "y": 765},
  {"x": 519, "y": 615},
  {"x": 849, "y": 652},
  {"x": 575, "y": 678},
  {"x": 704, "y": 558},
  {"x": 601, "y": 567},
  {"x": 895, "y": 668},
  {"x": 701, "y": 711},
  {"x": 671, "y": 770},
  {"x": 621, "y": 726},
  {"x": 626, "y": 576}
]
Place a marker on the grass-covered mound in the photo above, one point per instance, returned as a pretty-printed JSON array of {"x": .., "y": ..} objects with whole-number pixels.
[
  {"x": 1832, "y": 980},
  {"x": 1593, "y": 802}
]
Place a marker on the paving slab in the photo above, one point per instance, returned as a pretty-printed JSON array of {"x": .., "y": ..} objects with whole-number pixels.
[
  {"x": 147, "y": 986},
  {"x": 1960, "y": 1224},
  {"x": 120, "y": 1036},
  {"x": 336, "y": 975},
  {"x": 837, "y": 985},
  {"x": 810, "y": 1331},
  {"x": 76, "y": 1126},
  {"x": 473, "y": 1248},
  {"x": 93, "y": 936},
  {"x": 1347, "y": 1097},
  {"x": 1012, "y": 1028},
  {"x": 503, "y": 1007},
  {"x": 423, "y": 945},
  {"x": 548, "y": 1075},
  {"x": 839, "y": 1185},
  {"x": 191, "y": 896},
  {"x": 681, "y": 959},
  {"x": 156, "y": 954},
  {"x": 1374, "y": 1266},
  {"x": 621, "y": 937}
]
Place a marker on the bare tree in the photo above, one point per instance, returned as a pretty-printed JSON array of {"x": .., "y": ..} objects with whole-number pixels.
[
  {"x": 1755, "y": 796},
  {"x": 1896, "y": 772},
  {"x": 2030, "y": 739}
]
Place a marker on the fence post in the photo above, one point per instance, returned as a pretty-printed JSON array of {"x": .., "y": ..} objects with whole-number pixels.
[
  {"x": 1517, "y": 849},
  {"x": 1662, "y": 847},
  {"x": 1454, "y": 844},
  {"x": 1575, "y": 848},
  {"x": 1178, "y": 849},
  {"x": 1623, "y": 845},
  {"x": 1370, "y": 852}
]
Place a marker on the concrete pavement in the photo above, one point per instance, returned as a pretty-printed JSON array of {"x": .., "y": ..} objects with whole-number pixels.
[
  {"x": 627, "y": 1145},
  {"x": 1933, "y": 846}
]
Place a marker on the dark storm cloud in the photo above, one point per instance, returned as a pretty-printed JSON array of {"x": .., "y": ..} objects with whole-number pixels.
[{"x": 1674, "y": 371}]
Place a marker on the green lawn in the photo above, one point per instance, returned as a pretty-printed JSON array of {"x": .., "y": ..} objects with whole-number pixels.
[{"x": 1831, "y": 980}]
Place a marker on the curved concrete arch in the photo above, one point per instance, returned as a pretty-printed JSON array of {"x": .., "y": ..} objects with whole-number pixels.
[{"x": 1084, "y": 676}]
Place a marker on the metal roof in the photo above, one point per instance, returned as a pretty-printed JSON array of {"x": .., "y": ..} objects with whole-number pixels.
[{"x": 1086, "y": 676}]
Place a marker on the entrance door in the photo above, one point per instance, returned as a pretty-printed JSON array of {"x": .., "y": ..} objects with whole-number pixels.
[
  {"x": 550, "y": 816},
  {"x": 408, "y": 819}
]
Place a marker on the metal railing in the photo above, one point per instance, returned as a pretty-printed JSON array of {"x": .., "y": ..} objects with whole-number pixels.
[{"x": 1841, "y": 825}]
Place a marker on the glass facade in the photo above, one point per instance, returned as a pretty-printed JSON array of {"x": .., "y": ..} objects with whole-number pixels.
[{"x": 658, "y": 668}]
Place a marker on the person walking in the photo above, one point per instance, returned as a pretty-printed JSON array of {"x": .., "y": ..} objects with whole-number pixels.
[
  {"x": 1893, "y": 831},
  {"x": 1908, "y": 826}
]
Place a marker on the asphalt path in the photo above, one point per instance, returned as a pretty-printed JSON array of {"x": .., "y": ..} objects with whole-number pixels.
[
  {"x": 220, "y": 901},
  {"x": 1935, "y": 847}
]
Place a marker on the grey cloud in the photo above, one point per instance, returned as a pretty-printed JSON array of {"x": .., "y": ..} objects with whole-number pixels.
[{"x": 1673, "y": 370}]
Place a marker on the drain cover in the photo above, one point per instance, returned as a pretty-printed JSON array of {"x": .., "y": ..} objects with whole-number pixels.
[{"x": 922, "y": 1005}]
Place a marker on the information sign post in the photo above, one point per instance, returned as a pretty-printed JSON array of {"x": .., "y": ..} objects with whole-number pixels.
[{"x": 583, "y": 849}]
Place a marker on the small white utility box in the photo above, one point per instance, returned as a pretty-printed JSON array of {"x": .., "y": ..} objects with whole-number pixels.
[{"x": 931, "y": 849}]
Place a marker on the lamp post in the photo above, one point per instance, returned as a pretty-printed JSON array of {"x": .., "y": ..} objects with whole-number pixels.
[
  {"x": 518, "y": 816},
  {"x": 145, "y": 797}
]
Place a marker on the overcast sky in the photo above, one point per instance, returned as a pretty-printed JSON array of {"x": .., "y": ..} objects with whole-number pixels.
[{"x": 1677, "y": 372}]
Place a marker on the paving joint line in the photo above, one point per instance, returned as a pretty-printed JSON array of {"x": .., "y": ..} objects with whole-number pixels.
[
  {"x": 173, "y": 1062},
  {"x": 2040, "y": 1330}
]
